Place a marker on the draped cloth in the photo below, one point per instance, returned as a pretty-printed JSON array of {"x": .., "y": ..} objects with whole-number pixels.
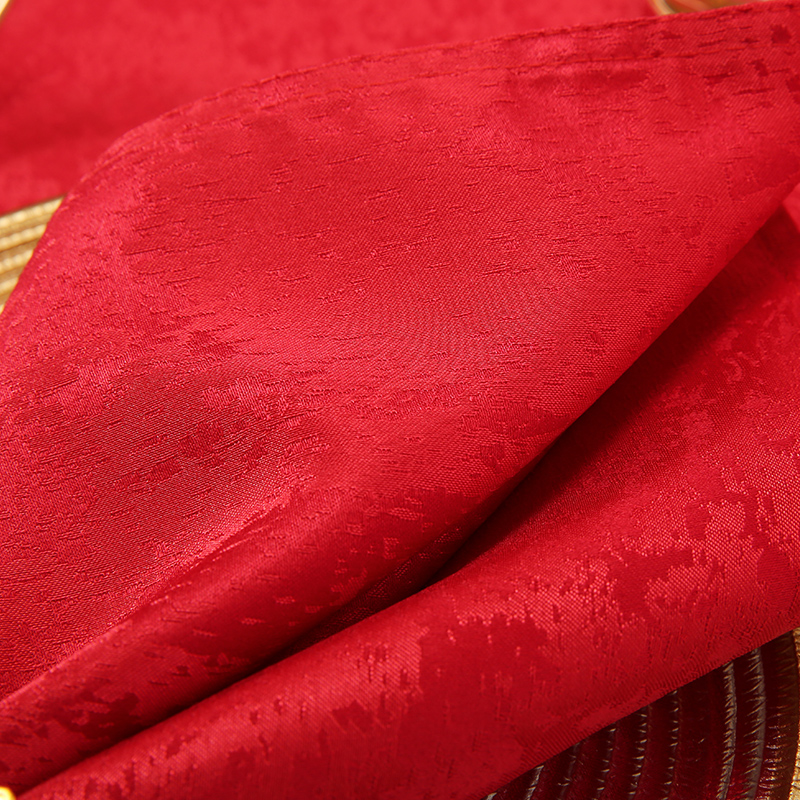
[{"x": 383, "y": 428}]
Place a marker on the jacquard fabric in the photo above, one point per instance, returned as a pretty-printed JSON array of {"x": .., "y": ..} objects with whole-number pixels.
[
  {"x": 78, "y": 75},
  {"x": 291, "y": 353}
]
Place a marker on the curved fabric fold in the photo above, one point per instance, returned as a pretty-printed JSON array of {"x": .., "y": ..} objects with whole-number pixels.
[
  {"x": 657, "y": 539},
  {"x": 76, "y": 77},
  {"x": 285, "y": 340}
]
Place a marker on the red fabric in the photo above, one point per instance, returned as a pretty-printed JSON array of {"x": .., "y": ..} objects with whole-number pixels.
[
  {"x": 282, "y": 351},
  {"x": 78, "y": 75}
]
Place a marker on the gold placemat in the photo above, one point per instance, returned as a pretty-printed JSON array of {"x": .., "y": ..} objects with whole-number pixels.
[{"x": 20, "y": 232}]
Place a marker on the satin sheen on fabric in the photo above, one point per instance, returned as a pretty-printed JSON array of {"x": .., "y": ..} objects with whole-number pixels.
[
  {"x": 426, "y": 699},
  {"x": 283, "y": 350},
  {"x": 78, "y": 75}
]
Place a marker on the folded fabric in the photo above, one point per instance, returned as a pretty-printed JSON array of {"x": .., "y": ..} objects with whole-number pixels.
[
  {"x": 654, "y": 509},
  {"x": 76, "y": 76},
  {"x": 283, "y": 351}
]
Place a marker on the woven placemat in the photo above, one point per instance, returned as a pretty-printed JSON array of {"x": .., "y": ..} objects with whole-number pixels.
[{"x": 20, "y": 232}]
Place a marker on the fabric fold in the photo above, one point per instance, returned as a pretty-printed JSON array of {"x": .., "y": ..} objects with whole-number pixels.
[
  {"x": 587, "y": 596},
  {"x": 282, "y": 341},
  {"x": 77, "y": 77}
]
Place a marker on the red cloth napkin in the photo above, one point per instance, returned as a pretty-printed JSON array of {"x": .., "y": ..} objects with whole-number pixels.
[{"x": 283, "y": 351}]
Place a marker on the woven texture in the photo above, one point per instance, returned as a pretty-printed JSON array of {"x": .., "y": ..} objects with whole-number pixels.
[{"x": 19, "y": 233}]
